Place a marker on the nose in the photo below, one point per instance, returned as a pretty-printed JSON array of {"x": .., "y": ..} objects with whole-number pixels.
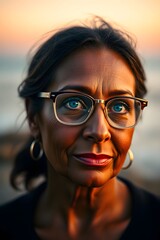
[{"x": 97, "y": 127}]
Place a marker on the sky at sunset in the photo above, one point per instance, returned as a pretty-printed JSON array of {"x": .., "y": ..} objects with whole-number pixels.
[{"x": 24, "y": 22}]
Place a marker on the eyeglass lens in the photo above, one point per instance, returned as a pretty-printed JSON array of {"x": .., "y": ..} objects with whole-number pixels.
[
  {"x": 123, "y": 112},
  {"x": 73, "y": 108}
]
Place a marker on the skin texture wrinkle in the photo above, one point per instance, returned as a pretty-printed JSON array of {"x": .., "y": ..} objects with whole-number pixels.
[{"x": 85, "y": 200}]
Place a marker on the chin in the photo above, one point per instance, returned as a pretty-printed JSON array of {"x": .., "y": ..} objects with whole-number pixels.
[{"x": 92, "y": 179}]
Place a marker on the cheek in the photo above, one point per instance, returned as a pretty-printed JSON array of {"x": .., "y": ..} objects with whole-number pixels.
[
  {"x": 57, "y": 139},
  {"x": 122, "y": 142},
  {"x": 54, "y": 133}
]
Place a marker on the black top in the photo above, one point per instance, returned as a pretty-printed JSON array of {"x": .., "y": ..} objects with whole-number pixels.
[{"x": 16, "y": 217}]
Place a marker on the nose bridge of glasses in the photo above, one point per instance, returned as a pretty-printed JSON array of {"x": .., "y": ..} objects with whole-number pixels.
[{"x": 99, "y": 101}]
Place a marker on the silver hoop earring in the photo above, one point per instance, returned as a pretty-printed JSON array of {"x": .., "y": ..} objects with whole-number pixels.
[
  {"x": 131, "y": 157},
  {"x": 34, "y": 156}
]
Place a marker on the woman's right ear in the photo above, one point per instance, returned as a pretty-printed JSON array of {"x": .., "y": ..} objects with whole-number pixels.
[{"x": 32, "y": 118}]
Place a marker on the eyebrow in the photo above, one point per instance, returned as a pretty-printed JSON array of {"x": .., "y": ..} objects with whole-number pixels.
[
  {"x": 79, "y": 88},
  {"x": 87, "y": 90},
  {"x": 120, "y": 92}
]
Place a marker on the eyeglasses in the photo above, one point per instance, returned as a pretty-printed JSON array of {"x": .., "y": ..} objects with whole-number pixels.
[{"x": 74, "y": 108}]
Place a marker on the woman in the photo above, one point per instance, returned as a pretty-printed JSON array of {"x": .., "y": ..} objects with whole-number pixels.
[{"x": 84, "y": 95}]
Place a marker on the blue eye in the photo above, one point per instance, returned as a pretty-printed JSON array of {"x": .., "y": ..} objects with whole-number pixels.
[
  {"x": 74, "y": 104},
  {"x": 118, "y": 107}
]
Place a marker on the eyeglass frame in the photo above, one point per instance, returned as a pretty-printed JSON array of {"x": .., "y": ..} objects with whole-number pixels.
[{"x": 53, "y": 95}]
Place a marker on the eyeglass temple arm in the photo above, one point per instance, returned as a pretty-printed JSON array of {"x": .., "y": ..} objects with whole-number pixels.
[
  {"x": 49, "y": 95},
  {"x": 44, "y": 94}
]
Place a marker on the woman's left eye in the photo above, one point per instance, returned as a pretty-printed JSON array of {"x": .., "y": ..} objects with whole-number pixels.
[{"x": 120, "y": 107}]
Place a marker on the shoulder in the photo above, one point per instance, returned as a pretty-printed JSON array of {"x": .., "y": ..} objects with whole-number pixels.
[
  {"x": 16, "y": 205},
  {"x": 141, "y": 195},
  {"x": 24, "y": 200},
  {"x": 145, "y": 214},
  {"x": 16, "y": 216},
  {"x": 12, "y": 215},
  {"x": 143, "y": 198}
]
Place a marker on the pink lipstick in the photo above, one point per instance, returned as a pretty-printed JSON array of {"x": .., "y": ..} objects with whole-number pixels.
[{"x": 92, "y": 159}]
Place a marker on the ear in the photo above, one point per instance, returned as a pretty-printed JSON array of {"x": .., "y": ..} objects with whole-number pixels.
[{"x": 32, "y": 118}]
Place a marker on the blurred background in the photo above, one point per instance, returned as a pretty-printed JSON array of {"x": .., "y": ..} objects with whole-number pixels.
[{"x": 24, "y": 22}]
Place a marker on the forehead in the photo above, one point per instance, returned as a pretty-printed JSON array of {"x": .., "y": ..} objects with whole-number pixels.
[{"x": 94, "y": 68}]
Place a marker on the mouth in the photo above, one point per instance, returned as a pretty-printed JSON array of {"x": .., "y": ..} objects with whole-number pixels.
[{"x": 91, "y": 159}]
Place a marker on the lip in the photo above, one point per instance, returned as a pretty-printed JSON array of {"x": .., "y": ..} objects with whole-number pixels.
[{"x": 92, "y": 159}]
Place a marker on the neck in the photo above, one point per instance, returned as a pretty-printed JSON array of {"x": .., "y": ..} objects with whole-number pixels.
[
  {"x": 80, "y": 206},
  {"x": 63, "y": 194}
]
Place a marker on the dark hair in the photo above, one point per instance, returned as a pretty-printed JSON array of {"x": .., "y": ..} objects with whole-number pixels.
[
  {"x": 52, "y": 52},
  {"x": 27, "y": 169}
]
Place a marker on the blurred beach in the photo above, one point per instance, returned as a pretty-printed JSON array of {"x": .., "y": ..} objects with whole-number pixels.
[
  {"x": 24, "y": 22},
  {"x": 145, "y": 170}
]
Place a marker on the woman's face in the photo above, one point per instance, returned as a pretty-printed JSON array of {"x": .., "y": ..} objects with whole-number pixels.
[{"x": 92, "y": 153}]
